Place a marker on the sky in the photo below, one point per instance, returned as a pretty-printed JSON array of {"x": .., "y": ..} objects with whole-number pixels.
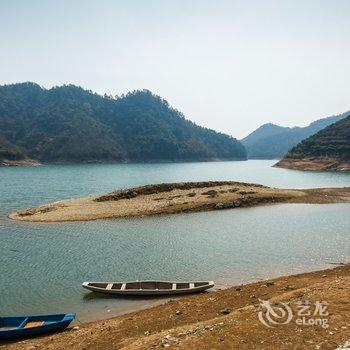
[{"x": 227, "y": 65}]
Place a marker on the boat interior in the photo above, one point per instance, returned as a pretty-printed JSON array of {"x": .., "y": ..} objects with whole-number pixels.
[
  {"x": 11, "y": 323},
  {"x": 148, "y": 285}
]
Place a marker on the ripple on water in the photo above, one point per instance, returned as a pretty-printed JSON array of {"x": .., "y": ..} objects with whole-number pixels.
[{"x": 42, "y": 265}]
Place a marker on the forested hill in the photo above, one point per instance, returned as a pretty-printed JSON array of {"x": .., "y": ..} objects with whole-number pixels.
[
  {"x": 272, "y": 141},
  {"x": 9, "y": 153},
  {"x": 333, "y": 141},
  {"x": 70, "y": 124},
  {"x": 329, "y": 149}
]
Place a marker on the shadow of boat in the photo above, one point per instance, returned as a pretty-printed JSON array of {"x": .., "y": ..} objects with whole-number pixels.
[{"x": 99, "y": 296}]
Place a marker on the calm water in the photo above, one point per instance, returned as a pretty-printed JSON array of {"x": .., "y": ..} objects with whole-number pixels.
[{"x": 43, "y": 265}]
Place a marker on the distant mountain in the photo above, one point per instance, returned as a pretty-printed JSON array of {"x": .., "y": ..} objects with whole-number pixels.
[
  {"x": 271, "y": 141},
  {"x": 329, "y": 149},
  {"x": 70, "y": 124}
]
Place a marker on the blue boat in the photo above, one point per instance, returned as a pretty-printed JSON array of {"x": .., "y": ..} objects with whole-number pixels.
[{"x": 28, "y": 326}]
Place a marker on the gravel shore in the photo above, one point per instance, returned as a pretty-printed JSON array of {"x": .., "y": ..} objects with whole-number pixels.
[
  {"x": 175, "y": 198},
  {"x": 226, "y": 319}
]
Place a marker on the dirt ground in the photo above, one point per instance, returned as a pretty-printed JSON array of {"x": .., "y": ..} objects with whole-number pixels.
[
  {"x": 175, "y": 198},
  {"x": 314, "y": 164},
  {"x": 226, "y": 319}
]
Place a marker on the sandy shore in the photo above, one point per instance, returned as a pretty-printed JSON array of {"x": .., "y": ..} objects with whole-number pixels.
[
  {"x": 175, "y": 198},
  {"x": 226, "y": 319},
  {"x": 314, "y": 164}
]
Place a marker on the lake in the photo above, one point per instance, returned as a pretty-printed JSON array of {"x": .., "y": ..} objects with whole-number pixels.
[{"x": 43, "y": 265}]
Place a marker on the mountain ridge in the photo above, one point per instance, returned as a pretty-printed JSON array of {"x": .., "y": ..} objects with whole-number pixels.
[
  {"x": 271, "y": 141},
  {"x": 70, "y": 124}
]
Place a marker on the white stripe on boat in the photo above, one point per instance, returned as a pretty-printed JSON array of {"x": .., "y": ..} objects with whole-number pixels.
[
  {"x": 191, "y": 285},
  {"x": 123, "y": 286},
  {"x": 174, "y": 286},
  {"x": 109, "y": 286}
]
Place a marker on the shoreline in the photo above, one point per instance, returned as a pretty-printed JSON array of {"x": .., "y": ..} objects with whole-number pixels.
[
  {"x": 219, "y": 319},
  {"x": 170, "y": 198},
  {"x": 19, "y": 163},
  {"x": 145, "y": 303},
  {"x": 314, "y": 164},
  {"x": 34, "y": 162}
]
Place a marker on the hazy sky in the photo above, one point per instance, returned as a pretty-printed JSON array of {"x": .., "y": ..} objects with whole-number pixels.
[{"x": 227, "y": 65}]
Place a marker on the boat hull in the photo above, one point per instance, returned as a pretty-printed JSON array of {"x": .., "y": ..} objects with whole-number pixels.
[
  {"x": 145, "y": 292},
  {"x": 49, "y": 324}
]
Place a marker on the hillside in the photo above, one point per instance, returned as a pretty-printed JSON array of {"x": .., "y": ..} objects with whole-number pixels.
[
  {"x": 271, "y": 141},
  {"x": 329, "y": 149},
  {"x": 70, "y": 124},
  {"x": 10, "y": 153}
]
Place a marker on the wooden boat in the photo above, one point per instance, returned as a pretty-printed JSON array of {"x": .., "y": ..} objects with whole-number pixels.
[
  {"x": 148, "y": 287},
  {"x": 26, "y": 326}
]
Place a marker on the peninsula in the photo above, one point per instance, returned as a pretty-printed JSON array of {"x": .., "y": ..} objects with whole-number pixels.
[
  {"x": 171, "y": 198},
  {"x": 329, "y": 150}
]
